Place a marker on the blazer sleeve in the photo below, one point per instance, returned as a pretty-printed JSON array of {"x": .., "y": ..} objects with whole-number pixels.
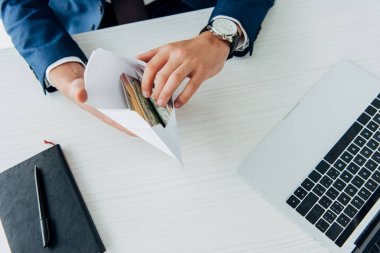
[
  {"x": 250, "y": 14},
  {"x": 38, "y": 35}
]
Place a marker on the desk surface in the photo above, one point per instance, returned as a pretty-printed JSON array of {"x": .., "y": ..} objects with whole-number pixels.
[{"x": 141, "y": 199}]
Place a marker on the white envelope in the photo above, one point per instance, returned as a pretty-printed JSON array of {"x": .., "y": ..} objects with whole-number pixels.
[{"x": 105, "y": 93}]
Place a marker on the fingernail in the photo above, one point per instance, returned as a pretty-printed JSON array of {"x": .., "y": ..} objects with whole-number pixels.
[
  {"x": 160, "y": 102},
  {"x": 145, "y": 94},
  {"x": 176, "y": 104}
]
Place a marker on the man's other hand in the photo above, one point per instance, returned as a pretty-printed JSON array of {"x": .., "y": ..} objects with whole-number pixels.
[
  {"x": 198, "y": 58},
  {"x": 68, "y": 78}
]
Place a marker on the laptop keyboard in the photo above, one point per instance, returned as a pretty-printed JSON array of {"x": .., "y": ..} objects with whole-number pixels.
[{"x": 344, "y": 186}]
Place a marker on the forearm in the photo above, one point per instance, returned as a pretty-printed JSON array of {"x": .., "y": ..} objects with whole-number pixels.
[{"x": 37, "y": 34}]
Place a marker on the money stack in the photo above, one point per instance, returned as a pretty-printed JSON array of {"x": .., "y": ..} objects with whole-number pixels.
[{"x": 145, "y": 107}]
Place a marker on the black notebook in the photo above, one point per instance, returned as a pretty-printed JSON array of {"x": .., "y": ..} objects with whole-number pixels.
[{"x": 70, "y": 224}]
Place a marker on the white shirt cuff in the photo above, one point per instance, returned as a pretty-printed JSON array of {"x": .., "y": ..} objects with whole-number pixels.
[
  {"x": 57, "y": 63},
  {"x": 244, "y": 43}
]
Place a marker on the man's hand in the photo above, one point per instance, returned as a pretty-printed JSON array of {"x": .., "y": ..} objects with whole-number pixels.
[
  {"x": 199, "y": 59},
  {"x": 68, "y": 78}
]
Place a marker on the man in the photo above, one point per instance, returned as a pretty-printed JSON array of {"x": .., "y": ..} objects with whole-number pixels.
[{"x": 40, "y": 31}]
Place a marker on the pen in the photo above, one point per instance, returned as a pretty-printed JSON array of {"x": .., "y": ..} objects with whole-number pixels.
[{"x": 43, "y": 219}]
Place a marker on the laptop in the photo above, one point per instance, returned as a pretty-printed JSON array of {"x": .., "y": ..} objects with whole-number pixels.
[{"x": 321, "y": 165}]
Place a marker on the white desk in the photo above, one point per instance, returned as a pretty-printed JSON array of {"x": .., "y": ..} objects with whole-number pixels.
[{"x": 140, "y": 199}]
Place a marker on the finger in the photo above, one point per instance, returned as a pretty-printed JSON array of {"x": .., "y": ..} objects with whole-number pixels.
[
  {"x": 172, "y": 83},
  {"x": 147, "y": 56},
  {"x": 163, "y": 76},
  {"x": 150, "y": 71},
  {"x": 188, "y": 92}
]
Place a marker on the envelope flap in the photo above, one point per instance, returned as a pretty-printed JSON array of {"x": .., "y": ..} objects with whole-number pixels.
[{"x": 134, "y": 123}]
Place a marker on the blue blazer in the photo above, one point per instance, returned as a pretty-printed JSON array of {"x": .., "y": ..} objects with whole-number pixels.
[{"x": 41, "y": 29}]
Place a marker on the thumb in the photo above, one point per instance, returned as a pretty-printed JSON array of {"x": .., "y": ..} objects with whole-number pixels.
[{"x": 77, "y": 91}]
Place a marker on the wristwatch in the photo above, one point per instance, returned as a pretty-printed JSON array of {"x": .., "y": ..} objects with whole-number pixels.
[{"x": 225, "y": 29}]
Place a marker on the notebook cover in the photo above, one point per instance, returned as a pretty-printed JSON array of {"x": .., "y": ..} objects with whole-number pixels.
[{"x": 70, "y": 224}]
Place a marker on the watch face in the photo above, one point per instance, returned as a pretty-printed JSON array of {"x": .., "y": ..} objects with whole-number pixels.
[{"x": 224, "y": 26}]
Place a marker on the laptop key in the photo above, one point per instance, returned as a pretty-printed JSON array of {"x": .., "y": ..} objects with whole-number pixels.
[
  {"x": 376, "y": 103},
  {"x": 376, "y": 176},
  {"x": 376, "y": 118},
  {"x": 343, "y": 142},
  {"x": 339, "y": 185},
  {"x": 293, "y": 201},
  {"x": 359, "y": 160},
  {"x": 332, "y": 193},
  {"x": 366, "y": 134},
  {"x": 353, "y": 149},
  {"x": 353, "y": 168},
  {"x": 334, "y": 231},
  {"x": 325, "y": 202},
  {"x": 340, "y": 165},
  {"x": 376, "y": 157},
  {"x": 346, "y": 176},
  {"x": 307, "y": 184},
  {"x": 364, "y": 193},
  {"x": 300, "y": 193},
  {"x": 336, "y": 207},
  {"x": 357, "y": 202},
  {"x": 344, "y": 198},
  {"x": 360, "y": 141},
  {"x": 376, "y": 136},
  {"x": 350, "y": 211},
  {"x": 319, "y": 190},
  {"x": 364, "y": 118},
  {"x": 329, "y": 216},
  {"x": 366, "y": 152},
  {"x": 364, "y": 173},
  {"x": 371, "y": 165},
  {"x": 371, "y": 110},
  {"x": 357, "y": 181},
  {"x": 322, "y": 167},
  {"x": 307, "y": 204},
  {"x": 322, "y": 225},
  {"x": 343, "y": 220},
  {"x": 373, "y": 144},
  {"x": 373, "y": 126},
  {"x": 326, "y": 181},
  {"x": 315, "y": 176},
  {"x": 315, "y": 213},
  {"x": 371, "y": 185},
  {"x": 347, "y": 157},
  {"x": 351, "y": 190},
  {"x": 333, "y": 173}
]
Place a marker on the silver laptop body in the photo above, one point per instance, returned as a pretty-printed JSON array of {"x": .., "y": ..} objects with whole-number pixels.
[{"x": 279, "y": 166}]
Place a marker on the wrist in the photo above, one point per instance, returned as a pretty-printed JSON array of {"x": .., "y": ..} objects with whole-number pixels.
[
  {"x": 222, "y": 45},
  {"x": 66, "y": 73}
]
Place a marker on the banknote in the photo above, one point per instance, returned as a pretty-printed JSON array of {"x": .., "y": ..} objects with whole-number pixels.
[
  {"x": 163, "y": 112},
  {"x": 148, "y": 109},
  {"x": 131, "y": 96},
  {"x": 145, "y": 107}
]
